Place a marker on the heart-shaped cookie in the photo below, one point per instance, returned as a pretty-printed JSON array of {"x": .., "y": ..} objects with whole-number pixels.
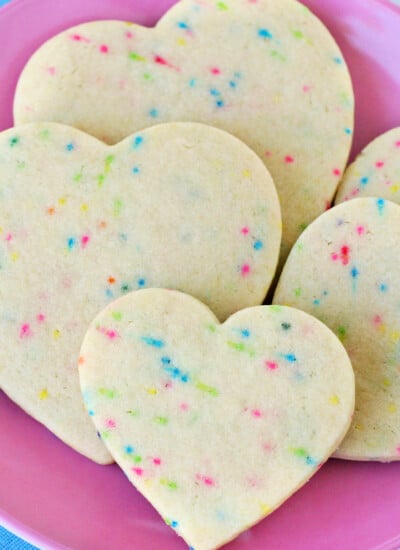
[
  {"x": 344, "y": 270},
  {"x": 215, "y": 424},
  {"x": 375, "y": 172},
  {"x": 266, "y": 71},
  {"x": 183, "y": 206}
]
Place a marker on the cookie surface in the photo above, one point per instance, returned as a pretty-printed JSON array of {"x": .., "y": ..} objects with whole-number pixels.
[
  {"x": 344, "y": 270},
  {"x": 375, "y": 172},
  {"x": 182, "y": 206},
  {"x": 268, "y": 72},
  {"x": 216, "y": 425}
]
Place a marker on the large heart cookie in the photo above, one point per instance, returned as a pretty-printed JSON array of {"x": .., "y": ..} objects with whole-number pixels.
[
  {"x": 266, "y": 71},
  {"x": 183, "y": 206},
  {"x": 375, "y": 172},
  {"x": 344, "y": 269},
  {"x": 215, "y": 424}
]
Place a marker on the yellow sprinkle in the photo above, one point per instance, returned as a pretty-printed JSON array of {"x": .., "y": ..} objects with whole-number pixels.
[
  {"x": 265, "y": 508},
  {"x": 387, "y": 382},
  {"x": 246, "y": 173},
  {"x": 148, "y": 482},
  {"x": 392, "y": 408},
  {"x": 14, "y": 256},
  {"x": 394, "y": 188},
  {"x": 395, "y": 336},
  {"x": 43, "y": 394},
  {"x": 278, "y": 98},
  {"x": 152, "y": 391},
  {"x": 359, "y": 427},
  {"x": 56, "y": 334},
  {"x": 334, "y": 400},
  {"x": 1, "y": 230},
  {"x": 382, "y": 328},
  {"x": 62, "y": 200},
  {"x": 181, "y": 42},
  {"x": 84, "y": 207}
]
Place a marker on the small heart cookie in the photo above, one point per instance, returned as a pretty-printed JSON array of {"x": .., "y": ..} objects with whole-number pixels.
[
  {"x": 344, "y": 270},
  {"x": 183, "y": 206},
  {"x": 266, "y": 71},
  {"x": 216, "y": 425},
  {"x": 375, "y": 172}
]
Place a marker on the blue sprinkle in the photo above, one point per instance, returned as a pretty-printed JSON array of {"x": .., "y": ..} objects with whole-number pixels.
[
  {"x": 174, "y": 524},
  {"x": 153, "y": 342},
  {"x": 290, "y": 357},
  {"x": 383, "y": 287},
  {"x": 219, "y": 103},
  {"x": 258, "y": 245},
  {"x": 348, "y": 131},
  {"x": 137, "y": 142},
  {"x": 71, "y": 242},
  {"x": 316, "y": 302},
  {"x": 354, "y": 273},
  {"x": 165, "y": 360},
  {"x": 182, "y": 25},
  {"x": 264, "y": 33},
  {"x": 338, "y": 60},
  {"x": 135, "y": 170},
  {"x": 245, "y": 333},
  {"x": 311, "y": 461},
  {"x": 129, "y": 449},
  {"x": 185, "y": 378},
  {"x": 238, "y": 75},
  {"x": 153, "y": 113},
  {"x": 141, "y": 282},
  {"x": 109, "y": 293},
  {"x": 123, "y": 237},
  {"x": 91, "y": 413},
  {"x": 70, "y": 146},
  {"x": 192, "y": 82},
  {"x": 364, "y": 180},
  {"x": 380, "y": 203},
  {"x": 232, "y": 84},
  {"x": 214, "y": 92}
]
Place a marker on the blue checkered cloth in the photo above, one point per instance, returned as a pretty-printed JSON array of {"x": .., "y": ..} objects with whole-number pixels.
[{"x": 8, "y": 541}]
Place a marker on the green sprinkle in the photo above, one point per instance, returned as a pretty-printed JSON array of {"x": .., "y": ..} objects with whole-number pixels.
[
  {"x": 118, "y": 204},
  {"x": 105, "y": 392},
  {"x": 207, "y": 389},
  {"x": 147, "y": 76},
  {"x": 14, "y": 141},
  {"x": 133, "y": 412},
  {"x": 278, "y": 55},
  {"x": 212, "y": 328},
  {"x": 298, "y": 34},
  {"x": 240, "y": 346},
  {"x": 275, "y": 309},
  {"x": 222, "y": 6},
  {"x": 77, "y": 177},
  {"x": 137, "y": 459},
  {"x": 297, "y": 292},
  {"x": 299, "y": 451},
  {"x": 136, "y": 57},
  {"x": 163, "y": 420},
  {"x": 104, "y": 435},
  {"x": 341, "y": 332},
  {"x": 168, "y": 483},
  {"x": 100, "y": 180},
  {"x": 44, "y": 133},
  {"x": 303, "y": 226},
  {"x": 117, "y": 315}
]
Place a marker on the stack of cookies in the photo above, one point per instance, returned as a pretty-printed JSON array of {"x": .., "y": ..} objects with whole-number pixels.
[{"x": 157, "y": 186}]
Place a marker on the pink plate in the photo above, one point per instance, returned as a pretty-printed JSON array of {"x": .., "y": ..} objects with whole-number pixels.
[{"x": 57, "y": 499}]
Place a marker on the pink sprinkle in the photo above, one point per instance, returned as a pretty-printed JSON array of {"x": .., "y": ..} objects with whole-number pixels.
[
  {"x": 168, "y": 384},
  {"x": 79, "y": 38},
  {"x": 111, "y": 334},
  {"x": 215, "y": 70},
  {"x": 306, "y": 88},
  {"x": 256, "y": 413},
  {"x": 355, "y": 192},
  {"x": 25, "y": 331},
  {"x": 8, "y": 237},
  {"x": 271, "y": 365},
  {"x": 268, "y": 447},
  {"x": 157, "y": 461},
  {"x": 327, "y": 205},
  {"x": 245, "y": 270},
  {"x": 184, "y": 406},
  {"x": 377, "y": 320},
  {"x": 128, "y": 34},
  {"x": 361, "y": 230},
  {"x": 51, "y": 70},
  {"x": 138, "y": 471},
  {"x": 207, "y": 480},
  {"x": 397, "y": 144},
  {"x": 40, "y": 318},
  {"x": 110, "y": 423},
  {"x": 103, "y": 48},
  {"x": 336, "y": 172},
  {"x": 85, "y": 239},
  {"x": 289, "y": 159},
  {"x": 379, "y": 164},
  {"x": 267, "y": 153},
  {"x": 398, "y": 449},
  {"x": 245, "y": 230}
]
